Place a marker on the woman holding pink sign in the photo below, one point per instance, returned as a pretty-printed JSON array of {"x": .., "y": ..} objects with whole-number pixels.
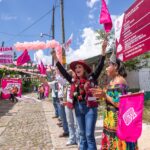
[{"x": 117, "y": 87}]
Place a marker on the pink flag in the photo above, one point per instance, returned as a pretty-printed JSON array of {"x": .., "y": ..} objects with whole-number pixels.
[
  {"x": 105, "y": 17},
  {"x": 42, "y": 68},
  {"x": 130, "y": 117},
  {"x": 23, "y": 58},
  {"x": 68, "y": 43}
]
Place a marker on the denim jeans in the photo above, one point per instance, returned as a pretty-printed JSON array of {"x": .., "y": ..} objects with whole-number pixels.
[
  {"x": 72, "y": 125},
  {"x": 62, "y": 113},
  {"x": 55, "y": 101},
  {"x": 86, "y": 118}
]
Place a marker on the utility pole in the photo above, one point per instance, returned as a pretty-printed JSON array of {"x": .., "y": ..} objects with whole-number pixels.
[
  {"x": 53, "y": 29},
  {"x": 3, "y": 44},
  {"x": 63, "y": 31}
]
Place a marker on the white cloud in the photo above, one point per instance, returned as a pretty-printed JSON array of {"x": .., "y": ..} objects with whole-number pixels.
[
  {"x": 91, "y": 16},
  {"x": 7, "y": 17},
  {"x": 29, "y": 19},
  {"x": 87, "y": 49},
  {"x": 114, "y": 17},
  {"x": 39, "y": 56},
  {"x": 91, "y": 3}
]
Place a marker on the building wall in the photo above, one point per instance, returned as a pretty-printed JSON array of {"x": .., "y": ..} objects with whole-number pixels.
[
  {"x": 133, "y": 79},
  {"x": 144, "y": 79}
]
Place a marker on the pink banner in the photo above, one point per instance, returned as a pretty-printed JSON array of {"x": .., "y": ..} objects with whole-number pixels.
[
  {"x": 6, "y": 55},
  {"x": 7, "y": 85},
  {"x": 130, "y": 117},
  {"x": 132, "y": 31},
  {"x": 46, "y": 90}
]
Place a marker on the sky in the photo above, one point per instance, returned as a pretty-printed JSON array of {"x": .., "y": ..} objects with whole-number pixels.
[{"x": 81, "y": 18}]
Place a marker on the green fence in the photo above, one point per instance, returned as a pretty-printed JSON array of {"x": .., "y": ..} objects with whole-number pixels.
[{"x": 147, "y": 95}]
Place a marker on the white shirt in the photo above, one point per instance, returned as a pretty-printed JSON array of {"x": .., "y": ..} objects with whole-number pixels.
[{"x": 53, "y": 87}]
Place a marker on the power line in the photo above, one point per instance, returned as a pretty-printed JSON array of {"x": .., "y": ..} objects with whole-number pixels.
[
  {"x": 35, "y": 22},
  {"x": 23, "y": 35}
]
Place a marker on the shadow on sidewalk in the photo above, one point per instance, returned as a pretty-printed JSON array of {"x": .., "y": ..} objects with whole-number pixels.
[{"x": 5, "y": 106}]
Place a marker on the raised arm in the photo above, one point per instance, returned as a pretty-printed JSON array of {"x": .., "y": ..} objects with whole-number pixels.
[
  {"x": 100, "y": 65},
  {"x": 61, "y": 68}
]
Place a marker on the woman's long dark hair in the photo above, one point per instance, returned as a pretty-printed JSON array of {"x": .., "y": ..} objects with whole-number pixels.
[{"x": 121, "y": 68}]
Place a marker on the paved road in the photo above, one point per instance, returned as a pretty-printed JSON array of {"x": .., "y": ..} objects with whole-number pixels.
[{"x": 24, "y": 126}]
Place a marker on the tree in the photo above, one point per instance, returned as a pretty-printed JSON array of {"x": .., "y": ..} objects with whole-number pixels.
[{"x": 133, "y": 64}]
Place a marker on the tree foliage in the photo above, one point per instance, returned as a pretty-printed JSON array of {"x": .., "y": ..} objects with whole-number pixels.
[{"x": 133, "y": 64}]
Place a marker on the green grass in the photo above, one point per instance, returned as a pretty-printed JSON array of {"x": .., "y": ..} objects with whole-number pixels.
[{"x": 146, "y": 114}]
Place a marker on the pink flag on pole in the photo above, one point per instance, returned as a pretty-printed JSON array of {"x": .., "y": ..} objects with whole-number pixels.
[
  {"x": 42, "y": 68},
  {"x": 23, "y": 58},
  {"x": 68, "y": 43},
  {"x": 105, "y": 17},
  {"x": 130, "y": 117}
]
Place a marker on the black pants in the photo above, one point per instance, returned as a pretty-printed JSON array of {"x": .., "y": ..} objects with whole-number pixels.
[
  {"x": 13, "y": 97},
  {"x": 41, "y": 95}
]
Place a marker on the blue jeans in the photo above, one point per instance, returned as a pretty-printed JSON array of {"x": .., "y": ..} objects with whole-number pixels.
[
  {"x": 55, "y": 101},
  {"x": 86, "y": 118},
  {"x": 62, "y": 113},
  {"x": 72, "y": 125}
]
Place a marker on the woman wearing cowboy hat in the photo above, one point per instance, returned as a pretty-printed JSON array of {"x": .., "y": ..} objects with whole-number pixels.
[{"x": 84, "y": 103}]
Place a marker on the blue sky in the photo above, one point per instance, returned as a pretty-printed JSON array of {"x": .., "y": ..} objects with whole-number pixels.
[{"x": 81, "y": 19}]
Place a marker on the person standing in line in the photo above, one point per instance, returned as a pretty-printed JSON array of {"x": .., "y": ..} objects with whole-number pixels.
[
  {"x": 54, "y": 87},
  {"x": 61, "y": 106},
  {"x": 84, "y": 102},
  {"x": 117, "y": 87},
  {"x": 71, "y": 118}
]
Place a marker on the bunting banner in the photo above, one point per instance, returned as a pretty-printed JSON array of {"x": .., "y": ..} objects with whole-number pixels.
[
  {"x": 6, "y": 55},
  {"x": 132, "y": 31}
]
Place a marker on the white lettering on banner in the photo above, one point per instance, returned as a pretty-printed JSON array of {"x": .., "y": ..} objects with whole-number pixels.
[
  {"x": 91, "y": 98},
  {"x": 129, "y": 116}
]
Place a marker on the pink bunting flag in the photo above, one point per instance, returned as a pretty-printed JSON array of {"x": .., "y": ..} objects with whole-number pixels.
[
  {"x": 105, "y": 17},
  {"x": 68, "y": 43},
  {"x": 42, "y": 68},
  {"x": 23, "y": 58}
]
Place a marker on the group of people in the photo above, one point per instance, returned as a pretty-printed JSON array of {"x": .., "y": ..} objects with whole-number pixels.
[{"x": 75, "y": 96}]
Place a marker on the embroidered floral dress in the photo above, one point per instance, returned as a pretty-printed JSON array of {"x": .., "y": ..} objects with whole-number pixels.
[{"x": 110, "y": 141}]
